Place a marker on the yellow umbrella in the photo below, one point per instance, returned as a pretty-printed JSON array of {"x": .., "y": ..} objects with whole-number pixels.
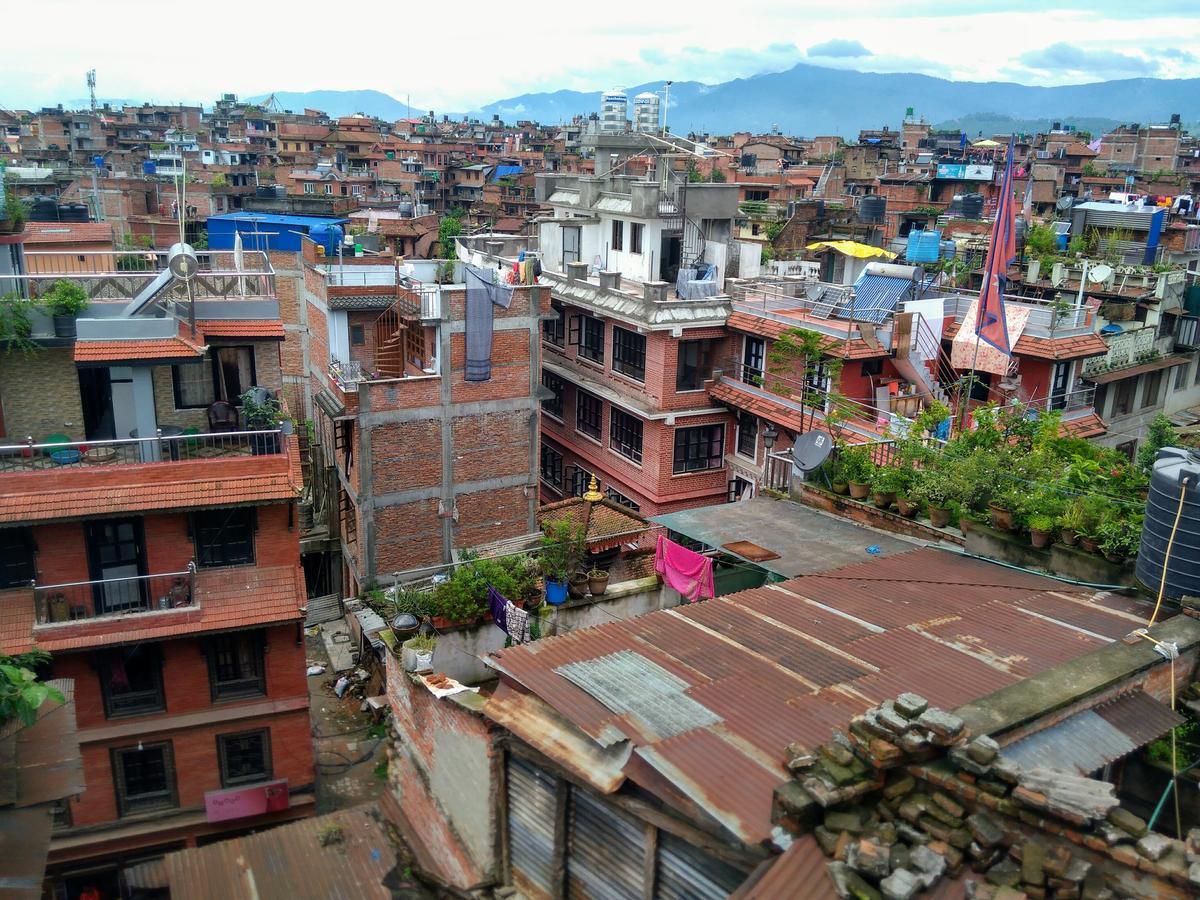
[
  {"x": 987, "y": 143},
  {"x": 852, "y": 248}
]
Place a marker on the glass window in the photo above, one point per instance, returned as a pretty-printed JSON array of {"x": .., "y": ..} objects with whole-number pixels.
[
  {"x": 235, "y": 665},
  {"x": 553, "y": 406},
  {"x": 144, "y": 778},
  {"x": 694, "y": 364},
  {"x": 635, "y": 237},
  {"x": 587, "y": 334},
  {"x": 357, "y": 336},
  {"x": 589, "y": 414},
  {"x": 629, "y": 353},
  {"x": 618, "y": 234},
  {"x": 1123, "y": 396},
  {"x": 16, "y": 557},
  {"x": 193, "y": 386},
  {"x": 224, "y": 537},
  {"x": 552, "y": 329},
  {"x": 753, "y": 357},
  {"x": 1152, "y": 389},
  {"x": 747, "y": 435},
  {"x": 552, "y": 466},
  {"x": 617, "y": 497},
  {"x": 1181, "y": 376},
  {"x": 698, "y": 449},
  {"x": 625, "y": 434},
  {"x": 309, "y": 188},
  {"x": 245, "y": 757},
  {"x": 131, "y": 681},
  {"x": 580, "y": 478}
]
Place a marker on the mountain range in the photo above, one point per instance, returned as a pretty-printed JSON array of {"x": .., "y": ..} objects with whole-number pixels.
[{"x": 812, "y": 100}]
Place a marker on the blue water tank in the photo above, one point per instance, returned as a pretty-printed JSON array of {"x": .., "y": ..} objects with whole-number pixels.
[
  {"x": 328, "y": 236},
  {"x": 923, "y": 246},
  {"x": 949, "y": 249},
  {"x": 149, "y": 167}
]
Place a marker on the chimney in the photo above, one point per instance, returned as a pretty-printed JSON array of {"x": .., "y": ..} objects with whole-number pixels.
[
  {"x": 577, "y": 271},
  {"x": 610, "y": 281}
]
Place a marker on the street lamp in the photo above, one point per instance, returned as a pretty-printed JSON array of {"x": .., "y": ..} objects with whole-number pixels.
[{"x": 770, "y": 433}]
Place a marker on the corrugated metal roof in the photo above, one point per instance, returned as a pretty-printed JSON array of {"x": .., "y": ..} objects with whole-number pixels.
[
  {"x": 796, "y": 660},
  {"x": 1091, "y": 739},
  {"x": 801, "y": 869},
  {"x": 875, "y": 297}
]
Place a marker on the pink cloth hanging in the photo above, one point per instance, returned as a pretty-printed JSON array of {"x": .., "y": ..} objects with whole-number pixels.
[{"x": 688, "y": 572}]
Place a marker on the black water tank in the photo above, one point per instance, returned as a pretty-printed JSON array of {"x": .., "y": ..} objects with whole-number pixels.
[
  {"x": 44, "y": 209},
  {"x": 72, "y": 212},
  {"x": 1172, "y": 468},
  {"x": 972, "y": 206},
  {"x": 872, "y": 208}
]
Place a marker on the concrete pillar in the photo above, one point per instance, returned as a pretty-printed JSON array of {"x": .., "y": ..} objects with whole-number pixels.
[
  {"x": 577, "y": 271},
  {"x": 610, "y": 281}
]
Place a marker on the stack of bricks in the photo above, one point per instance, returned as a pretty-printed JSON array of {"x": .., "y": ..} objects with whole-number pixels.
[{"x": 908, "y": 797}]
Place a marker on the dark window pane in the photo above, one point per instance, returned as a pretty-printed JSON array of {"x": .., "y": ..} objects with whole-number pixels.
[
  {"x": 131, "y": 681},
  {"x": 635, "y": 237},
  {"x": 552, "y": 466},
  {"x": 629, "y": 353},
  {"x": 235, "y": 664},
  {"x": 694, "y": 364},
  {"x": 552, "y": 329},
  {"x": 618, "y": 234},
  {"x": 617, "y": 497},
  {"x": 752, "y": 359},
  {"x": 589, "y": 414},
  {"x": 144, "y": 778},
  {"x": 224, "y": 537},
  {"x": 590, "y": 337},
  {"x": 625, "y": 434},
  {"x": 245, "y": 757},
  {"x": 699, "y": 448},
  {"x": 747, "y": 435},
  {"x": 553, "y": 405},
  {"x": 16, "y": 557}
]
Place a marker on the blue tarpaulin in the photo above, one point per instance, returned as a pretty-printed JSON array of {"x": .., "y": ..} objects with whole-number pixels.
[{"x": 501, "y": 171}]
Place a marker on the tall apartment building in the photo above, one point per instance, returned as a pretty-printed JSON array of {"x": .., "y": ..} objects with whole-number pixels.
[
  {"x": 149, "y": 542},
  {"x": 412, "y": 462}
]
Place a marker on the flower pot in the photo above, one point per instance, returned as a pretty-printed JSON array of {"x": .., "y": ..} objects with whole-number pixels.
[
  {"x": 597, "y": 585},
  {"x": 1040, "y": 539},
  {"x": 939, "y": 517},
  {"x": 11, "y": 226},
  {"x": 858, "y": 490},
  {"x": 577, "y": 585},
  {"x": 885, "y": 499},
  {"x": 1002, "y": 519},
  {"x": 1088, "y": 544},
  {"x": 556, "y": 592},
  {"x": 1114, "y": 556},
  {"x": 841, "y": 487},
  {"x": 907, "y": 508},
  {"x": 64, "y": 327},
  {"x": 1069, "y": 537}
]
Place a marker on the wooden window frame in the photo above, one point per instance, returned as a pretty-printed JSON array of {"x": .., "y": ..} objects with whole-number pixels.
[
  {"x": 227, "y": 780},
  {"x": 127, "y": 806}
]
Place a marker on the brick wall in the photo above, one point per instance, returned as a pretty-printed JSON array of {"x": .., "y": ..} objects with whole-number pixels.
[
  {"x": 40, "y": 394},
  {"x": 407, "y": 535}
]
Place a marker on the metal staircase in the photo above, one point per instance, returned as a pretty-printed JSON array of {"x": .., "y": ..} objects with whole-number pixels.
[{"x": 919, "y": 357}]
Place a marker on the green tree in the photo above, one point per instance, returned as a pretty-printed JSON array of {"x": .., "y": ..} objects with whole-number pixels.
[
  {"x": 21, "y": 693},
  {"x": 449, "y": 228},
  {"x": 1161, "y": 433}
]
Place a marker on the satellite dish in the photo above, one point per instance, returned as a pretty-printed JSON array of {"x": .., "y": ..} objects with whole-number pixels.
[
  {"x": 1064, "y": 203},
  {"x": 1097, "y": 274},
  {"x": 810, "y": 450}
]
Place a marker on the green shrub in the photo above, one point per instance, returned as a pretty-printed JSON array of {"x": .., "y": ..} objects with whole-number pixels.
[
  {"x": 463, "y": 596},
  {"x": 66, "y": 298}
]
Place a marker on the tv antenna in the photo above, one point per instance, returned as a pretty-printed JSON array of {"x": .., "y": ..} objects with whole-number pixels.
[{"x": 91, "y": 83}]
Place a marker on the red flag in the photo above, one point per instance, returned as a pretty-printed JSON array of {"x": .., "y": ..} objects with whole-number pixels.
[{"x": 990, "y": 323}]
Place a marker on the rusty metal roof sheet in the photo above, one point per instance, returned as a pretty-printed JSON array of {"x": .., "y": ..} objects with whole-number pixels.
[
  {"x": 1092, "y": 738},
  {"x": 795, "y": 660},
  {"x": 802, "y": 867}
]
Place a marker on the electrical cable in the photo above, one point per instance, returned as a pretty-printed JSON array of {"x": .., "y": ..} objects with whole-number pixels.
[{"x": 1162, "y": 582}]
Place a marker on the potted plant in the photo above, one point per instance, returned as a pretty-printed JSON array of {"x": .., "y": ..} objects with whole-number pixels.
[
  {"x": 262, "y": 413},
  {"x": 1071, "y": 522},
  {"x": 597, "y": 582},
  {"x": 66, "y": 300},
  {"x": 1002, "y": 508},
  {"x": 563, "y": 545},
  {"x": 836, "y": 471},
  {"x": 859, "y": 470},
  {"x": 887, "y": 482},
  {"x": 12, "y": 211},
  {"x": 1119, "y": 537},
  {"x": 935, "y": 489},
  {"x": 1041, "y": 530},
  {"x": 577, "y": 585},
  {"x": 416, "y": 653}
]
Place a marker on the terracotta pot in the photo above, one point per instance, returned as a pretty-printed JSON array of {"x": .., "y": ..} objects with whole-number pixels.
[
  {"x": 938, "y": 517},
  {"x": 841, "y": 487},
  {"x": 858, "y": 490},
  {"x": 1088, "y": 544},
  {"x": 885, "y": 499},
  {"x": 908, "y": 508},
  {"x": 1114, "y": 557},
  {"x": 1068, "y": 537},
  {"x": 597, "y": 586},
  {"x": 1040, "y": 539},
  {"x": 577, "y": 585},
  {"x": 1002, "y": 519}
]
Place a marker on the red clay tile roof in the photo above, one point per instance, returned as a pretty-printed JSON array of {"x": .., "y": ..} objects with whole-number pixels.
[
  {"x": 241, "y": 328},
  {"x": 227, "y": 598},
  {"x": 170, "y": 348},
  {"x": 1077, "y": 347},
  {"x": 770, "y": 410},
  {"x": 68, "y": 233},
  {"x": 773, "y": 329},
  {"x": 1088, "y": 426},
  {"x": 609, "y": 523}
]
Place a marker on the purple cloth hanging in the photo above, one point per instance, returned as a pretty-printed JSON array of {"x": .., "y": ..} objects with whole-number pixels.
[{"x": 498, "y": 606}]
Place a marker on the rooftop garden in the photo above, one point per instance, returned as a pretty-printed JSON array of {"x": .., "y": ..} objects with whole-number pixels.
[{"x": 1016, "y": 471}]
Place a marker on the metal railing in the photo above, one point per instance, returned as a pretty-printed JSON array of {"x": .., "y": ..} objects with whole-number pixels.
[
  {"x": 107, "y": 597},
  {"x": 1083, "y": 398},
  {"x": 777, "y": 471},
  {"x": 32, "y": 457},
  {"x": 122, "y": 274},
  {"x": 421, "y": 298},
  {"x": 347, "y": 375}
]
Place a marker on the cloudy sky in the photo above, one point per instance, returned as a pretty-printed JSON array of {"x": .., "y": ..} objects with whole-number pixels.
[{"x": 461, "y": 55}]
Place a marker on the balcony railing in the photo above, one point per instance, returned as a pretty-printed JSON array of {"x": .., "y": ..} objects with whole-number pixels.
[
  {"x": 30, "y": 456},
  {"x": 108, "y": 597},
  {"x": 1128, "y": 348},
  {"x": 123, "y": 274},
  {"x": 1079, "y": 400},
  {"x": 347, "y": 375}
]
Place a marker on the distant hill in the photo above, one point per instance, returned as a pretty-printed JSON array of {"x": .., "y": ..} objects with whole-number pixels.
[
  {"x": 344, "y": 103},
  {"x": 987, "y": 124},
  {"x": 812, "y": 100}
]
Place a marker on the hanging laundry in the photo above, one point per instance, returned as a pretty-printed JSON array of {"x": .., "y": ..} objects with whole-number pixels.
[
  {"x": 509, "y": 617},
  {"x": 688, "y": 572},
  {"x": 482, "y": 295},
  {"x": 498, "y": 607}
]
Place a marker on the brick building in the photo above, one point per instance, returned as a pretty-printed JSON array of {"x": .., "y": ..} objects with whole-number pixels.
[{"x": 149, "y": 543}]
